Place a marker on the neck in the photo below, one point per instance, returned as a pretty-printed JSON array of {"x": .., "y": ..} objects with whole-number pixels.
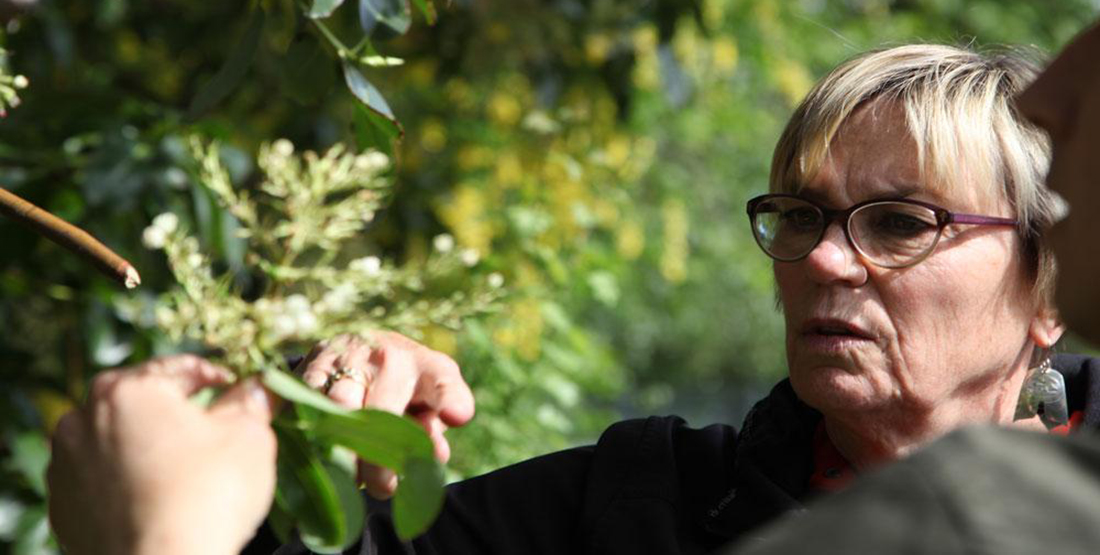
[{"x": 869, "y": 439}]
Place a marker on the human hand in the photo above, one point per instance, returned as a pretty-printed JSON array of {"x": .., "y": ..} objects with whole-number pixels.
[
  {"x": 393, "y": 373},
  {"x": 1065, "y": 100},
  {"x": 141, "y": 469}
]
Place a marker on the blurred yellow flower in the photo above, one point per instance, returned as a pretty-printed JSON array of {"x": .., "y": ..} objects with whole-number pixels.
[
  {"x": 617, "y": 151},
  {"x": 473, "y": 157},
  {"x": 422, "y": 72},
  {"x": 596, "y": 48},
  {"x": 440, "y": 339},
  {"x": 509, "y": 170},
  {"x": 51, "y": 406},
  {"x": 527, "y": 316},
  {"x": 630, "y": 240},
  {"x": 792, "y": 79},
  {"x": 647, "y": 73},
  {"x": 465, "y": 215},
  {"x": 645, "y": 39},
  {"x": 674, "y": 251},
  {"x": 714, "y": 11},
  {"x": 605, "y": 210},
  {"x": 504, "y": 109},
  {"x": 725, "y": 53},
  {"x": 433, "y": 135},
  {"x": 458, "y": 92}
]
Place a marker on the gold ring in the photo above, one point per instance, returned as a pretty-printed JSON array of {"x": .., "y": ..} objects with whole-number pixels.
[{"x": 344, "y": 372}]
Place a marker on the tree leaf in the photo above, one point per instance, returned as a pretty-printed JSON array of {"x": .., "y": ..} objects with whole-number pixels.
[
  {"x": 281, "y": 523},
  {"x": 375, "y": 123},
  {"x": 30, "y": 454},
  {"x": 351, "y": 502},
  {"x": 323, "y": 8},
  {"x": 232, "y": 72},
  {"x": 366, "y": 92},
  {"x": 292, "y": 388},
  {"x": 375, "y": 131},
  {"x": 305, "y": 490},
  {"x": 427, "y": 7},
  {"x": 419, "y": 497},
  {"x": 385, "y": 18},
  {"x": 376, "y": 436}
]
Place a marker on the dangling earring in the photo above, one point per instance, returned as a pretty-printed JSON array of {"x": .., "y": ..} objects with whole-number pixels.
[{"x": 1044, "y": 394}]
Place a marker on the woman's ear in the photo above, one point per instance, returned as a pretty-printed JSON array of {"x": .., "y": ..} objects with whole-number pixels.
[{"x": 1046, "y": 329}]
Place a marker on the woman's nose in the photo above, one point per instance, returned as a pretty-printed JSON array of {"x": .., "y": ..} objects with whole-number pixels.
[{"x": 835, "y": 260}]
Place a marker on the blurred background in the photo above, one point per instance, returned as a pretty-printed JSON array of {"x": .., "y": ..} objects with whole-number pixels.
[{"x": 595, "y": 153}]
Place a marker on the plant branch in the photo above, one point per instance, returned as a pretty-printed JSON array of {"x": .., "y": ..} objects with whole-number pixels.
[{"x": 69, "y": 236}]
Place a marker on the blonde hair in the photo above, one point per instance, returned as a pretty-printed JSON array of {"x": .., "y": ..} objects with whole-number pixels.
[{"x": 959, "y": 106}]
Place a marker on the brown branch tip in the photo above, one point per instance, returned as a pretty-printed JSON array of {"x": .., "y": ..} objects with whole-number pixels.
[{"x": 71, "y": 237}]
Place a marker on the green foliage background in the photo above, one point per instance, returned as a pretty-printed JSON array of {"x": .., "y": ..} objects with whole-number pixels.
[{"x": 596, "y": 153}]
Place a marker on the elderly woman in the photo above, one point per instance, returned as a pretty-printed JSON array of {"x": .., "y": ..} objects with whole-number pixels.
[{"x": 905, "y": 220}]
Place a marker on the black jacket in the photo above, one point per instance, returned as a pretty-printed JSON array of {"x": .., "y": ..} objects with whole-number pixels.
[{"x": 648, "y": 486}]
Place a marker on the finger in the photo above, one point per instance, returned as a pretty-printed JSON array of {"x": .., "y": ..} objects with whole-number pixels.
[
  {"x": 441, "y": 390},
  {"x": 187, "y": 373},
  {"x": 317, "y": 371},
  {"x": 322, "y": 360},
  {"x": 248, "y": 399},
  {"x": 350, "y": 391},
  {"x": 380, "y": 482},
  {"x": 436, "y": 428},
  {"x": 103, "y": 384},
  {"x": 395, "y": 381}
]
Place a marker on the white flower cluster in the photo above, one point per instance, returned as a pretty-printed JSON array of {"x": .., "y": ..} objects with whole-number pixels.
[
  {"x": 444, "y": 243},
  {"x": 289, "y": 317},
  {"x": 294, "y": 231},
  {"x": 370, "y": 266},
  {"x": 10, "y": 85},
  {"x": 164, "y": 225}
]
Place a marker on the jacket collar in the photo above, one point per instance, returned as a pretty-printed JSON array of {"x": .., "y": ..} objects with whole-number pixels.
[{"x": 773, "y": 459}]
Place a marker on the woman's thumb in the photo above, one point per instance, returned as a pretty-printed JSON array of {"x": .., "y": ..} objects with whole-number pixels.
[{"x": 248, "y": 398}]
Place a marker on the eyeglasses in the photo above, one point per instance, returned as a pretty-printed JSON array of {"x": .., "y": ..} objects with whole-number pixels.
[{"x": 891, "y": 233}]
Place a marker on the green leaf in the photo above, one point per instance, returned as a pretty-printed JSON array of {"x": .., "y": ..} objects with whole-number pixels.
[
  {"x": 232, "y": 72},
  {"x": 305, "y": 490},
  {"x": 351, "y": 502},
  {"x": 376, "y": 436},
  {"x": 366, "y": 92},
  {"x": 206, "y": 396},
  {"x": 419, "y": 497},
  {"x": 281, "y": 522},
  {"x": 427, "y": 7},
  {"x": 292, "y": 388},
  {"x": 30, "y": 454},
  {"x": 385, "y": 18},
  {"x": 374, "y": 131},
  {"x": 375, "y": 123},
  {"x": 32, "y": 533},
  {"x": 323, "y": 8}
]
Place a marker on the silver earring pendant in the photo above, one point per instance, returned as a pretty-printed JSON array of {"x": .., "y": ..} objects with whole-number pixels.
[{"x": 1044, "y": 394}]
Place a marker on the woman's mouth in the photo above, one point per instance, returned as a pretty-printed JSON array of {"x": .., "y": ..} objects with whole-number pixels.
[{"x": 832, "y": 335}]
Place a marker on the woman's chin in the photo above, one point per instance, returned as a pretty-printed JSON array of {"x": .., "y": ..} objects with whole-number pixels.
[{"x": 832, "y": 388}]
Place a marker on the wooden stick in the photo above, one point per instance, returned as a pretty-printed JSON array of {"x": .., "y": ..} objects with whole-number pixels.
[{"x": 71, "y": 237}]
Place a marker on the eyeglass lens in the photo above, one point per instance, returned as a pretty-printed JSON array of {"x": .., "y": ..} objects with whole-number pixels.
[{"x": 890, "y": 234}]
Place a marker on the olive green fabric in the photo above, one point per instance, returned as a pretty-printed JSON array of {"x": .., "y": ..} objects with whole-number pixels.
[{"x": 976, "y": 491}]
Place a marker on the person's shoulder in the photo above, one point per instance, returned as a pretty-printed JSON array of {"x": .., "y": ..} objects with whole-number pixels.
[
  {"x": 662, "y": 440},
  {"x": 662, "y": 457}
]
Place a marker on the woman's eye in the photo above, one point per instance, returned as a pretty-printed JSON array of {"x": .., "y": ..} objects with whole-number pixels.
[
  {"x": 802, "y": 217},
  {"x": 900, "y": 223}
]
